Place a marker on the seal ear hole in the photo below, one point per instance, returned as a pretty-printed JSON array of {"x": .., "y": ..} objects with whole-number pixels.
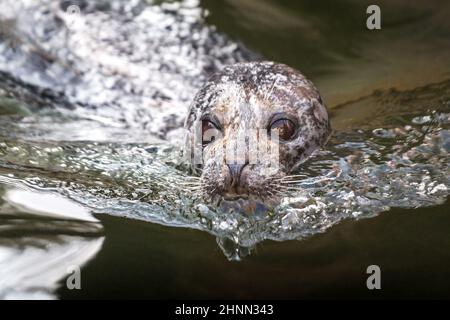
[{"x": 284, "y": 128}]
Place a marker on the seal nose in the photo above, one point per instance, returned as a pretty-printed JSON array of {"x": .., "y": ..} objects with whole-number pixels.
[{"x": 235, "y": 173}]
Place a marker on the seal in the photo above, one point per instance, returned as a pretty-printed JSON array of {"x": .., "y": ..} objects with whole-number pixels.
[{"x": 265, "y": 109}]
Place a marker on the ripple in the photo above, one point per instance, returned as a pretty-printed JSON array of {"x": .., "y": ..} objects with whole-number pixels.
[
  {"x": 85, "y": 110},
  {"x": 349, "y": 179}
]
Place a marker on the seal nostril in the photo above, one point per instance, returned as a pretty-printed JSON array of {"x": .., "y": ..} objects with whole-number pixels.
[{"x": 235, "y": 173}]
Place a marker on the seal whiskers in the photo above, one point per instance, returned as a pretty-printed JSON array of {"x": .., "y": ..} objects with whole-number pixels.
[{"x": 243, "y": 98}]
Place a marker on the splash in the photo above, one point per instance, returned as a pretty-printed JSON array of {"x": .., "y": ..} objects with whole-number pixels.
[
  {"x": 90, "y": 127},
  {"x": 360, "y": 174}
]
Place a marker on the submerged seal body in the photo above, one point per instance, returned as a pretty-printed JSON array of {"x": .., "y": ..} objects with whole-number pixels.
[{"x": 265, "y": 109}]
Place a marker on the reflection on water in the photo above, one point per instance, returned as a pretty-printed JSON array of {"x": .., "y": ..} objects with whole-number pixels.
[
  {"x": 361, "y": 172},
  {"x": 329, "y": 42},
  {"x": 41, "y": 237},
  {"x": 88, "y": 110},
  {"x": 46, "y": 204}
]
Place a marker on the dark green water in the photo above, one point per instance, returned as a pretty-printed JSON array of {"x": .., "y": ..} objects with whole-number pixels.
[
  {"x": 142, "y": 260},
  {"x": 369, "y": 79}
]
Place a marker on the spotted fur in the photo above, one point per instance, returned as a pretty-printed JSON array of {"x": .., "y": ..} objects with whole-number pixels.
[{"x": 248, "y": 96}]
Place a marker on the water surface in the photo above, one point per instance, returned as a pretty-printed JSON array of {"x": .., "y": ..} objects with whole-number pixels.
[{"x": 90, "y": 173}]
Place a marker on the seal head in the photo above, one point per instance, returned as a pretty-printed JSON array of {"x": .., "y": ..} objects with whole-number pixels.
[{"x": 250, "y": 126}]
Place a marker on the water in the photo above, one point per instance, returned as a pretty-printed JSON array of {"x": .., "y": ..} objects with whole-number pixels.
[{"x": 90, "y": 173}]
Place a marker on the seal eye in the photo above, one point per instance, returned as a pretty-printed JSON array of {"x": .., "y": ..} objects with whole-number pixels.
[
  {"x": 209, "y": 132},
  {"x": 284, "y": 128}
]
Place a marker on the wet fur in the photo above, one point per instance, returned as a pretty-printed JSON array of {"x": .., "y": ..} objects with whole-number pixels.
[{"x": 247, "y": 96}]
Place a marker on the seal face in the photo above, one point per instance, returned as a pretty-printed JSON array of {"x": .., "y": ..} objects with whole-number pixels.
[{"x": 254, "y": 124}]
